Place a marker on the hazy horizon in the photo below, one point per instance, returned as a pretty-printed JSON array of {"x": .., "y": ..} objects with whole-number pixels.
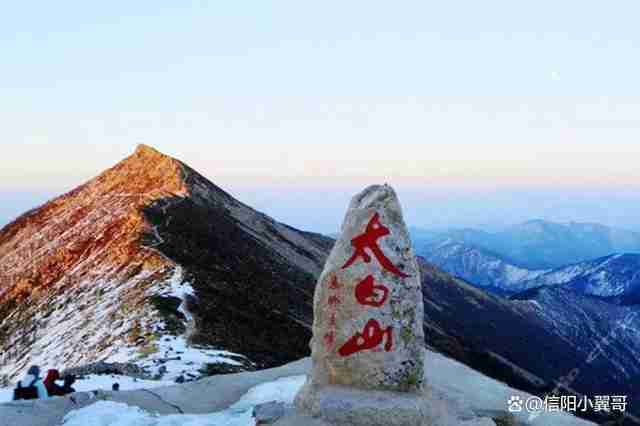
[{"x": 318, "y": 207}]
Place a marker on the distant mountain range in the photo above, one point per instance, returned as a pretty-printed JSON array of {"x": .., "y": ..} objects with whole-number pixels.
[
  {"x": 614, "y": 277},
  {"x": 481, "y": 267},
  {"x": 464, "y": 253},
  {"x": 539, "y": 244}
]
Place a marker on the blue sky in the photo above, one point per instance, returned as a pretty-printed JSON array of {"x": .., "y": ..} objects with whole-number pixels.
[{"x": 477, "y": 112}]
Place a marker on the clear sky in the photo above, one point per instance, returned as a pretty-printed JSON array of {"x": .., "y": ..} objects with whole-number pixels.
[{"x": 479, "y": 113}]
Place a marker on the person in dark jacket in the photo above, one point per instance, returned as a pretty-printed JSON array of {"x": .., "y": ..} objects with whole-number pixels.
[
  {"x": 55, "y": 389},
  {"x": 31, "y": 386}
]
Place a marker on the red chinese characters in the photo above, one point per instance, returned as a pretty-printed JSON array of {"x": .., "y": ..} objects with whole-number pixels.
[
  {"x": 332, "y": 320},
  {"x": 335, "y": 284},
  {"x": 371, "y": 337},
  {"x": 333, "y": 301},
  {"x": 329, "y": 339},
  {"x": 369, "y": 240},
  {"x": 368, "y": 293}
]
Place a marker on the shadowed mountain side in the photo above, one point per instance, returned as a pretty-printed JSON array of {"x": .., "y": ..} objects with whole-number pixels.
[
  {"x": 471, "y": 325},
  {"x": 250, "y": 299}
]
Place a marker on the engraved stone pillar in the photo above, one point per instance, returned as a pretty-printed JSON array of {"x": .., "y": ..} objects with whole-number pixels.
[{"x": 368, "y": 340}]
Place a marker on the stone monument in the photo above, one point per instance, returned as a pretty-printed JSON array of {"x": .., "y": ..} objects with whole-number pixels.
[{"x": 367, "y": 345}]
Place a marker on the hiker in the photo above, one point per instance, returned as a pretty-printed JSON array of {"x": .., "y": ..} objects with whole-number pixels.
[
  {"x": 69, "y": 380},
  {"x": 31, "y": 386},
  {"x": 55, "y": 389}
]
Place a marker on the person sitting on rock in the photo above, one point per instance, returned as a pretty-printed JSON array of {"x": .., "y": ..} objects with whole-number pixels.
[
  {"x": 53, "y": 388},
  {"x": 31, "y": 386},
  {"x": 50, "y": 383}
]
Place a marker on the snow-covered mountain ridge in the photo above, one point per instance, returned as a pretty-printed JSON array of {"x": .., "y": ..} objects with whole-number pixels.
[
  {"x": 616, "y": 275},
  {"x": 478, "y": 266},
  {"x": 151, "y": 261},
  {"x": 537, "y": 341},
  {"x": 541, "y": 244}
]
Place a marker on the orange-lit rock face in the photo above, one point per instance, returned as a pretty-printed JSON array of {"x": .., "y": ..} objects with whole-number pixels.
[
  {"x": 84, "y": 243},
  {"x": 100, "y": 221}
]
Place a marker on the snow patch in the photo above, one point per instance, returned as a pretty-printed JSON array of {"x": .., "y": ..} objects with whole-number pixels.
[
  {"x": 108, "y": 413},
  {"x": 535, "y": 303},
  {"x": 175, "y": 358},
  {"x": 178, "y": 287}
]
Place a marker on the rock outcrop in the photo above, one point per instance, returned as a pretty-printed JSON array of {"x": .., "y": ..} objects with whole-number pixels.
[{"x": 367, "y": 345}]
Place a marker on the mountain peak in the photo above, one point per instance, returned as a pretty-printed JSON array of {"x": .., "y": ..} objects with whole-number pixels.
[
  {"x": 108, "y": 270},
  {"x": 147, "y": 151},
  {"x": 147, "y": 172}
]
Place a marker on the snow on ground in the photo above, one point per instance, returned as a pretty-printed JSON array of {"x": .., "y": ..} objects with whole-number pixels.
[
  {"x": 178, "y": 287},
  {"x": 108, "y": 413},
  {"x": 6, "y": 394},
  {"x": 104, "y": 382},
  {"x": 180, "y": 359},
  {"x": 172, "y": 356},
  {"x": 284, "y": 390},
  {"x": 101, "y": 382},
  {"x": 447, "y": 377},
  {"x": 516, "y": 275}
]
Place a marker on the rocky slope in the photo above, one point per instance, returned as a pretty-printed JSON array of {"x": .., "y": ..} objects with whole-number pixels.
[
  {"x": 608, "y": 277},
  {"x": 151, "y": 262}
]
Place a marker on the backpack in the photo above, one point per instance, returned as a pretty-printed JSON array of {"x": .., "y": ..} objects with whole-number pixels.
[{"x": 30, "y": 392}]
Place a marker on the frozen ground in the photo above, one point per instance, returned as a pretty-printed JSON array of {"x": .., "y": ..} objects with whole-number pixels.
[
  {"x": 228, "y": 400},
  {"x": 108, "y": 413},
  {"x": 177, "y": 359},
  {"x": 173, "y": 357},
  {"x": 164, "y": 355}
]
